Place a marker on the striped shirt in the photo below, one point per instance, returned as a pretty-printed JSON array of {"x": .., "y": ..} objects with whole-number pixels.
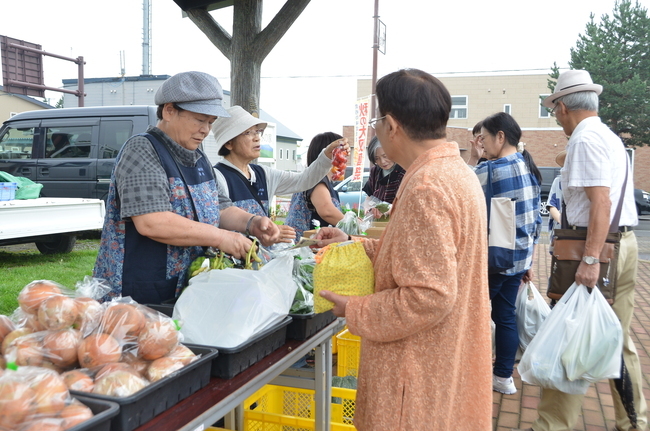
[{"x": 512, "y": 178}]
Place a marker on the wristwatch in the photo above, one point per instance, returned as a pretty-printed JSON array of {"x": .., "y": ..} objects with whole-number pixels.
[{"x": 589, "y": 260}]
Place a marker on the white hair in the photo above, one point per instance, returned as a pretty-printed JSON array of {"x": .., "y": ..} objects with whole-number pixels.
[{"x": 582, "y": 100}]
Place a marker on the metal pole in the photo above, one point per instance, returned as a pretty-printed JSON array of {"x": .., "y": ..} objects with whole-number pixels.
[
  {"x": 375, "y": 51},
  {"x": 80, "y": 66}
]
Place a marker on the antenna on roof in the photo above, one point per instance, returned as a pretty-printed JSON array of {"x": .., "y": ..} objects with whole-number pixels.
[
  {"x": 146, "y": 37},
  {"x": 122, "y": 64}
]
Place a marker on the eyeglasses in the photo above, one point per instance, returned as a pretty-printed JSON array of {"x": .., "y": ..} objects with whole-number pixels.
[
  {"x": 557, "y": 105},
  {"x": 373, "y": 122},
  {"x": 253, "y": 133}
]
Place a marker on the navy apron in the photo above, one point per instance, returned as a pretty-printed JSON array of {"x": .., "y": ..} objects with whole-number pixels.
[
  {"x": 137, "y": 266},
  {"x": 252, "y": 198}
]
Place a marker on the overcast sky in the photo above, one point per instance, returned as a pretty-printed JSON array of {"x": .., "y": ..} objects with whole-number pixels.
[{"x": 309, "y": 79}]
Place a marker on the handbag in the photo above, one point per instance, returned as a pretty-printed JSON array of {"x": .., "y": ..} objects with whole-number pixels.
[
  {"x": 569, "y": 247},
  {"x": 502, "y": 229}
]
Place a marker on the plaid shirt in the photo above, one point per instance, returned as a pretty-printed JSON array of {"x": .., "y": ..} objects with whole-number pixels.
[{"x": 512, "y": 178}]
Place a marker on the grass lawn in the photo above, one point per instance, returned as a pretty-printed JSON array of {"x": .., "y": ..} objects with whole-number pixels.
[{"x": 19, "y": 268}]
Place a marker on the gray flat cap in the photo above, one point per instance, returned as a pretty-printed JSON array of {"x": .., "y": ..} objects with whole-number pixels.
[{"x": 194, "y": 91}]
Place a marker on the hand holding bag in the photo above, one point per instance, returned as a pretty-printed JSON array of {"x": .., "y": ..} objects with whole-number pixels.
[
  {"x": 531, "y": 311},
  {"x": 345, "y": 269}
]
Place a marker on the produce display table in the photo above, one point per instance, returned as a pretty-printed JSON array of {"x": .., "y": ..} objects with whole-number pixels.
[{"x": 224, "y": 398}]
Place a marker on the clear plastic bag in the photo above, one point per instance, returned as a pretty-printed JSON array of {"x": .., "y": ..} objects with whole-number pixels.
[
  {"x": 594, "y": 352},
  {"x": 541, "y": 363},
  {"x": 350, "y": 223},
  {"x": 531, "y": 310},
  {"x": 303, "y": 275}
]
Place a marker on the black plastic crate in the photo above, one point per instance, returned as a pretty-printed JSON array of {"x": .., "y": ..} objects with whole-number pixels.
[
  {"x": 304, "y": 326},
  {"x": 159, "y": 396},
  {"x": 103, "y": 412},
  {"x": 233, "y": 360}
]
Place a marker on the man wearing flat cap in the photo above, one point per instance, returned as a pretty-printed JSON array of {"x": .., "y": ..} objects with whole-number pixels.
[
  {"x": 596, "y": 176},
  {"x": 163, "y": 206}
]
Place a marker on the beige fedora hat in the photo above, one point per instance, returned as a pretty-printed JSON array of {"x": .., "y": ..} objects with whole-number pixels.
[
  {"x": 560, "y": 158},
  {"x": 571, "y": 81}
]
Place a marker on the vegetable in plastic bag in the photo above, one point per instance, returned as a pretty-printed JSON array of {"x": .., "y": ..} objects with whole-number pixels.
[
  {"x": 349, "y": 223},
  {"x": 594, "y": 352},
  {"x": 541, "y": 363},
  {"x": 531, "y": 311}
]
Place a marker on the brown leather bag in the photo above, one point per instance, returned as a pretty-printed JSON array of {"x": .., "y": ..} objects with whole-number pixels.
[{"x": 568, "y": 249}]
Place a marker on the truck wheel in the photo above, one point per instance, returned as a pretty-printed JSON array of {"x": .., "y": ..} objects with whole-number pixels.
[{"x": 60, "y": 244}]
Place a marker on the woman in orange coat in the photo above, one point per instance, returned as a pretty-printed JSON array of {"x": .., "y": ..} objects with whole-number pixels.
[{"x": 425, "y": 332}]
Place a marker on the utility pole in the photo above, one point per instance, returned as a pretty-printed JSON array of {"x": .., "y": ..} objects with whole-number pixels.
[{"x": 375, "y": 51}]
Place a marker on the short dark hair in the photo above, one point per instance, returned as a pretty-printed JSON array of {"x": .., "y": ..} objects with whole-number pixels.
[
  {"x": 318, "y": 143},
  {"x": 159, "y": 111},
  {"x": 223, "y": 151},
  {"x": 417, "y": 100}
]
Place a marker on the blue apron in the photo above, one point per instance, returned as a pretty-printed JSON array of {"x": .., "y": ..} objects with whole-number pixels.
[
  {"x": 137, "y": 266},
  {"x": 252, "y": 198}
]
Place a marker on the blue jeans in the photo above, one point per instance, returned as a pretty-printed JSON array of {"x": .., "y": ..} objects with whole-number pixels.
[{"x": 503, "y": 294}]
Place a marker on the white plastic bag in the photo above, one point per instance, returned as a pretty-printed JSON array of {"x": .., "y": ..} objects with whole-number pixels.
[
  {"x": 226, "y": 307},
  {"x": 531, "y": 311},
  {"x": 541, "y": 363},
  {"x": 594, "y": 352}
]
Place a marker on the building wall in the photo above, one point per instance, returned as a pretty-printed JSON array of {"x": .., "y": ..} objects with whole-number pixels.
[
  {"x": 487, "y": 95},
  {"x": 11, "y": 104}
]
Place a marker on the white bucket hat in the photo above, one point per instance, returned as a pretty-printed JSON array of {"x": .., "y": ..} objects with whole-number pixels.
[
  {"x": 571, "y": 81},
  {"x": 226, "y": 128}
]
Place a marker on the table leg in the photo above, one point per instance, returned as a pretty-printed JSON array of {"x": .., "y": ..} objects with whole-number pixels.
[{"x": 323, "y": 384}]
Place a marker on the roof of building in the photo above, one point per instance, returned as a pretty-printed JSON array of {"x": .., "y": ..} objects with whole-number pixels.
[
  {"x": 281, "y": 130},
  {"x": 29, "y": 99}
]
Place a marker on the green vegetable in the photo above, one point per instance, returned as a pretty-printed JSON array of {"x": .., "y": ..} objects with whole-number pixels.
[
  {"x": 346, "y": 382},
  {"x": 383, "y": 207}
]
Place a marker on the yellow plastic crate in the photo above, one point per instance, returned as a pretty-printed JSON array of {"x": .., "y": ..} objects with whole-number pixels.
[
  {"x": 335, "y": 340},
  {"x": 280, "y": 408},
  {"x": 349, "y": 350}
]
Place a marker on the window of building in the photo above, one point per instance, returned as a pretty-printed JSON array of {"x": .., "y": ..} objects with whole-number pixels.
[
  {"x": 281, "y": 151},
  {"x": 507, "y": 108},
  {"x": 293, "y": 155},
  {"x": 543, "y": 111},
  {"x": 458, "y": 107}
]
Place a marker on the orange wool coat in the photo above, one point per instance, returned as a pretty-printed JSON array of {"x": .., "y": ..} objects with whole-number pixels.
[{"x": 426, "y": 340}]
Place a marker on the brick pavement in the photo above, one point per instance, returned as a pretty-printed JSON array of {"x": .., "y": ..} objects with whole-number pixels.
[{"x": 520, "y": 410}]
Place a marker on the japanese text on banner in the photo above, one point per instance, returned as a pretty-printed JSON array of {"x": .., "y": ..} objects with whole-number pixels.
[{"x": 360, "y": 137}]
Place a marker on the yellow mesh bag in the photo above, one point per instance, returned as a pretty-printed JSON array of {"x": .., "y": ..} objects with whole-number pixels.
[{"x": 343, "y": 268}]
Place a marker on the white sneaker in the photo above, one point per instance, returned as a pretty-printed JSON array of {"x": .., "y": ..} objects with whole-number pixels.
[{"x": 505, "y": 385}]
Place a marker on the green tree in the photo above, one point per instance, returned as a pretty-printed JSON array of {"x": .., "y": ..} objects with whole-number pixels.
[{"x": 616, "y": 52}]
